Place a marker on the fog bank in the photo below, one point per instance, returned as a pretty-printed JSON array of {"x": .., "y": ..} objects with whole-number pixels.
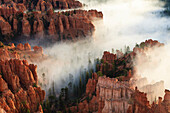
[
  {"x": 154, "y": 65},
  {"x": 125, "y": 23}
]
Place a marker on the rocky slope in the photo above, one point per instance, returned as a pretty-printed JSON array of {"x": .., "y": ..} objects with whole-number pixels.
[{"x": 18, "y": 87}]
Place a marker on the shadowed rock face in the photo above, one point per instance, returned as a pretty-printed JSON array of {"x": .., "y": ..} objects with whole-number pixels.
[{"x": 18, "y": 87}]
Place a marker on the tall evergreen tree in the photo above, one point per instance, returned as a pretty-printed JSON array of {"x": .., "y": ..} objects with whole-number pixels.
[
  {"x": 87, "y": 76},
  {"x": 66, "y": 94},
  {"x": 80, "y": 87}
]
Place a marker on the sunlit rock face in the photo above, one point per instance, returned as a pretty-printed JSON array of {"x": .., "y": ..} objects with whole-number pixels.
[
  {"x": 59, "y": 26},
  {"x": 18, "y": 87},
  {"x": 41, "y": 22},
  {"x": 111, "y": 95},
  {"x": 114, "y": 94}
]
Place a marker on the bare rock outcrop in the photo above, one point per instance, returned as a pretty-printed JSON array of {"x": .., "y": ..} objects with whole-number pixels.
[
  {"x": 60, "y": 26},
  {"x": 110, "y": 95},
  {"x": 18, "y": 87}
]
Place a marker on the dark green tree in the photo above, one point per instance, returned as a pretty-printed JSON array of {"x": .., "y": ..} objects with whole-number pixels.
[
  {"x": 80, "y": 87},
  {"x": 87, "y": 76},
  {"x": 99, "y": 73},
  {"x": 66, "y": 94}
]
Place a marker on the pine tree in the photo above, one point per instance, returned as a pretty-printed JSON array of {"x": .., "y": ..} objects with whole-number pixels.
[
  {"x": 112, "y": 50},
  {"x": 61, "y": 103},
  {"x": 87, "y": 76},
  {"x": 128, "y": 49},
  {"x": 50, "y": 92},
  {"x": 80, "y": 87},
  {"x": 74, "y": 90},
  {"x": 99, "y": 73},
  {"x": 137, "y": 45},
  {"x": 53, "y": 88},
  {"x": 66, "y": 94}
]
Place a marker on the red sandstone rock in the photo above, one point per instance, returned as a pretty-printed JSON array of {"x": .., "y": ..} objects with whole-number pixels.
[
  {"x": 26, "y": 28},
  {"x": 38, "y": 49},
  {"x": 20, "y": 52},
  {"x": 20, "y": 47},
  {"x": 111, "y": 95},
  {"x": 22, "y": 93},
  {"x": 38, "y": 27},
  {"x": 21, "y": 7},
  {"x": 15, "y": 27},
  {"x": 65, "y": 25},
  {"x": 27, "y": 46},
  {"x": 51, "y": 28},
  {"x": 4, "y": 27}
]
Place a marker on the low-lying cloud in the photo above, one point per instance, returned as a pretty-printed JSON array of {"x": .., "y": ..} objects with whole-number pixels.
[
  {"x": 154, "y": 65},
  {"x": 125, "y": 23}
]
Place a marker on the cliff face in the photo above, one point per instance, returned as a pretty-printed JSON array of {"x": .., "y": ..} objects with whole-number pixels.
[
  {"x": 18, "y": 87},
  {"x": 52, "y": 26},
  {"x": 107, "y": 95},
  {"x": 114, "y": 94},
  {"x": 41, "y": 21}
]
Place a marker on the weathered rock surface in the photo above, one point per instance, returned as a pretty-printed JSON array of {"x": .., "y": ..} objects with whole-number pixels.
[
  {"x": 41, "y": 20},
  {"x": 111, "y": 96},
  {"x": 40, "y": 5},
  {"x": 52, "y": 26},
  {"x": 18, "y": 87},
  {"x": 139, "y": 102}
]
